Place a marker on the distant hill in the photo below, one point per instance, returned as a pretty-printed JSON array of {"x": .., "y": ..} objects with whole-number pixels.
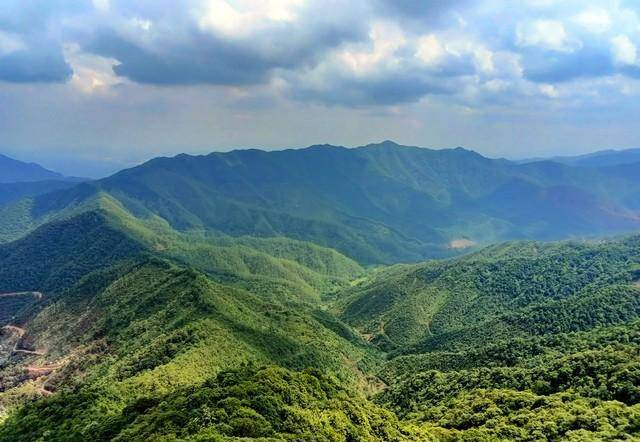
[
  {"x": 380, "y": 203},
  {"x": 14, "y": 171},
  {"x": 19, "y": 180},
  {"x": 602, "y": 158}
]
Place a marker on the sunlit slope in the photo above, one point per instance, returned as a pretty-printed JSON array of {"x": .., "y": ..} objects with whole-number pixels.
[
  {"x": 123, "y": 320},
  {"x": 149, "y": 329},
  {"x": 100, "y": 231},
  {"x": 521, "y": 341},
  {"x": 504, "y": 291},
  {"x": 145, "y": 332}
]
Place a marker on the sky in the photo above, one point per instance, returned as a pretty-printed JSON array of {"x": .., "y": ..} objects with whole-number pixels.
[{"x": 89, "y": 87}]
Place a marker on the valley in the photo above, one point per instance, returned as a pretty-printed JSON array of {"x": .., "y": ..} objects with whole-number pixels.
[{"x": 130, "y": 312}]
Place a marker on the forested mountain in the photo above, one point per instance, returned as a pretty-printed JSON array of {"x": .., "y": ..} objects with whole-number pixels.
[
  {"x": 230, "y": 297},
  {"x": 137, "y": 320},
  {"x": 13, "y": 171},
  {"x": 110, "y": 296},
  {"x": 20, "y": 180},
  {"x": 380, "y": 203},
  {"x": 510, "y": 290},
  {"x": 521, "y": 341},
  {"x": 10, "y": 192}
]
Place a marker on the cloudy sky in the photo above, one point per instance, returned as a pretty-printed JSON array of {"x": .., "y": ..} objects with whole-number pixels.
[{"x": 87, "y": 87}]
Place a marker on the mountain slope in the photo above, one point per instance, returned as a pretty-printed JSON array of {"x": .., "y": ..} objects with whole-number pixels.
[
  {"x": 522, "y": 341},
  {"x": 376, "y": 204},
  {"x": 148, "y": 329},
  {"x": 10, "y": 192},
  {"x": 144, "y": 332},
  {"x": 13, "y": 171},
  {"x": 517, "y": 289},
  {"x": 118, "y": 324}
]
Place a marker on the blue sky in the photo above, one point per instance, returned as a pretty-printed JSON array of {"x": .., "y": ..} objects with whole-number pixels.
[{"x": 88, "y": 87}]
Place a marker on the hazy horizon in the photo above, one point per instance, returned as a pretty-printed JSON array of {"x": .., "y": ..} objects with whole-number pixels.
[
  {"x": 99, "y": 170},
  {"x": 95, "y": 86}
]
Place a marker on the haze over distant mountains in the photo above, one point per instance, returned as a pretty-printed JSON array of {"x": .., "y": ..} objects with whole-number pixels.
[
  {"x": 19, "y": 179},
  {"x": 601, "y": 158},
  {"x": 12, "y": 171},
  {"x": 379, "y": 203}
]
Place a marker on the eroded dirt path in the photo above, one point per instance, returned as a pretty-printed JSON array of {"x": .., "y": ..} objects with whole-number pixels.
[
  {"x": 15, "y": 329},
  {"x": 32, "y": 371},
  {"x": 19, "y": 331},
  {"x": 42, "y": 370}
]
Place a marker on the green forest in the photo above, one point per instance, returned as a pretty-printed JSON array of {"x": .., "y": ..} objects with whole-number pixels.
[{"x": 129, "y": 314}]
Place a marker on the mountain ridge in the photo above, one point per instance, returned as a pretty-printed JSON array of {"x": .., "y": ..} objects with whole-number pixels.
[
  {"x": 13, "y": 171},
  {"x": 379, "y": 203}
]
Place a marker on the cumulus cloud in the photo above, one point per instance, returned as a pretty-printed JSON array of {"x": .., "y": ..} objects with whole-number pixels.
[
  {"x": 222, "y": 42},
  {"x": 385, "y": 52},
  {"x": 243, "y": 61},
  {"x": 594, "y": 20},
  {"x": 546, "y": 34},
  {"x": 30, "y": 40}
]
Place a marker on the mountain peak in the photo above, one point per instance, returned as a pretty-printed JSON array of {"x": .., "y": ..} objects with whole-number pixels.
[{"x": 385, "y": 143}]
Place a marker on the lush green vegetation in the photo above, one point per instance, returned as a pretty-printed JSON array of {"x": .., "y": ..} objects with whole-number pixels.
[
  {"x": 148, "y": 330},
  {"x": 271, "y": 403},
  {"x": 520, "y": 341},
  {"x": 579, "y": 386},
  {"x": 502, "y": 292},
  {"x": 378, "y": 204},
  {"x": 10, "y": 192},
  {"x": 199, "y": 300}
]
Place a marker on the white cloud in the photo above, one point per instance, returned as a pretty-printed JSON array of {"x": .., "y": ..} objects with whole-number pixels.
[
  {"x": 547, "y": 34},
  {"x": 429, "y": 49},
  {"x": 624, "y": 51},
  {"x": 386, "y": 38},
  {"x": 91, "y": 74},
  {"x": 101, "y": 5},
  {"x": 141, "y": 23},
  {"x": 595, "y": 20},
  {"x": 484, "y": 59},
  {"x": 549, "y": 90},
  {"x": 241, "y": 18}
]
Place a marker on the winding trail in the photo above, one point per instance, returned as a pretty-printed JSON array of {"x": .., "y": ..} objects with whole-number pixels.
[{"x": 35, "y": 372}]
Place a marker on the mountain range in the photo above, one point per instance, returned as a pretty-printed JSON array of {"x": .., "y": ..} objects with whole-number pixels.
[
  {"x": 19, "y": 180},
  {"x": 601, "y": 158},
  {"x": 14, "y": 171},
  {"x": 285, "y": 295},
  {"x": 380, "y": 203}
]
